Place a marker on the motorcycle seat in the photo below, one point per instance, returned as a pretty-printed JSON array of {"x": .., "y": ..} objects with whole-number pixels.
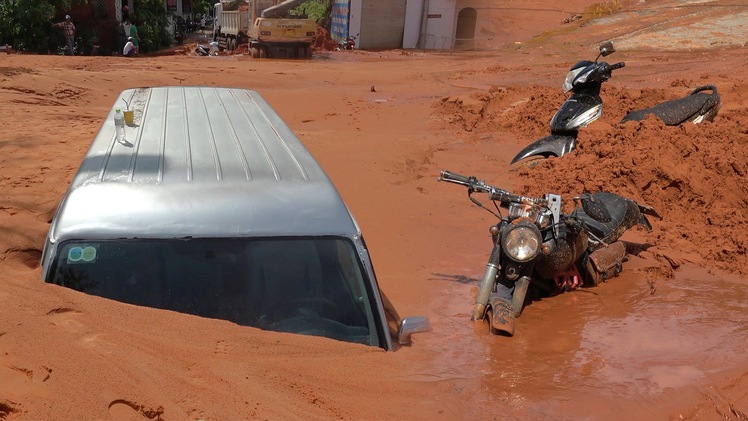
[
  {"x": 624, "y": 214},
  {"x": 678, "y": 111}
]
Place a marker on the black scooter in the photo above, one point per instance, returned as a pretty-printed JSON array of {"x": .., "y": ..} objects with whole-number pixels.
[{"x": 584, "y": 106}]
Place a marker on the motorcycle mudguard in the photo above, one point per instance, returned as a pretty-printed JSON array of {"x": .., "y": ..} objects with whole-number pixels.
[
  {"x": 695, "y": 107},
  {"x": 502, "y": 320},
  {"x": 553, "y": 145}
]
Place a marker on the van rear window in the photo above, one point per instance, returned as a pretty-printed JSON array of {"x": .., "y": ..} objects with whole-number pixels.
[{"x": 307, "y": 285}]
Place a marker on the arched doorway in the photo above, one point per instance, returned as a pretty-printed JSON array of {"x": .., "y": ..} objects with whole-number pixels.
[{"x": 465, "y": 33}]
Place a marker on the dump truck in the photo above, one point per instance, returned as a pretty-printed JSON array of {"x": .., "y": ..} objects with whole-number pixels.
[
  {"x": 232, "y": 24},
  {"x": 266, "y": 26}
]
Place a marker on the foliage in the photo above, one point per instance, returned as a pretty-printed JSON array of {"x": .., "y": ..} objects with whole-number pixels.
[
  {"x": 319, "y": 10},
  {"x": 601, "y": 9},
  {"x": 202, "y": 6},
  {"x": 22, "y": 25},
  {"x": 152, "y": 22},
  {"x": 22, "y": 21}
]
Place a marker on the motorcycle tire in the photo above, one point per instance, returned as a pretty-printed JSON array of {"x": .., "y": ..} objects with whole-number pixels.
[{"x": 487, "y": 321}]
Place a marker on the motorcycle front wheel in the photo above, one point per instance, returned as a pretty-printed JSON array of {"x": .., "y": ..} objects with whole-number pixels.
[{"x": 487, "y": 320}]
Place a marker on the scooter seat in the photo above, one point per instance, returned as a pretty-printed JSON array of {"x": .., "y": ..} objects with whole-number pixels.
[{"x": 678, "y": 111}]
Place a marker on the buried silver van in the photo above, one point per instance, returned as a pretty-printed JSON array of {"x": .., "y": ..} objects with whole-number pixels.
[{"x": 211, "y": 206}]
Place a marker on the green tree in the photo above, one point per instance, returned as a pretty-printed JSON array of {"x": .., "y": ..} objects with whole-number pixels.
[
  {"x": 202, "y": 6},
  {"x": 319, "y": 10},
  {"x": 152, "y": 22},
  {"x": 22, "y": 21}
]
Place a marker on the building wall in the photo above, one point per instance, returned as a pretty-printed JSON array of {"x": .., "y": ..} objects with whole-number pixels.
[
  {"x": 381, "y": 23},
  {"x": 436, "y": 27},
  {"x": 440, "y": 22}
]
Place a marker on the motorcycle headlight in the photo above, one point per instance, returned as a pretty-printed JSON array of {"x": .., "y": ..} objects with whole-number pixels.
[
  {"x": 521, "y": 242},
  {"x": 578, "y": 74}
]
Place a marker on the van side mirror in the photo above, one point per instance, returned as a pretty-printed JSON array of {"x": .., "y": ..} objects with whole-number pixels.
[{"x": 411, "y": 325}]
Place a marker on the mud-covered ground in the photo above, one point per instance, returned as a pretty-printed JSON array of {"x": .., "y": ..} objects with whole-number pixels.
[
  {"x": 700, "y": 184},
  {"x": 665, "y": 340}
]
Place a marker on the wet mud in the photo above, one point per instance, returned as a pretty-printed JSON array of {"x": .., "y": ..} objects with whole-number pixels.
[{"x": 664, "y": 340}]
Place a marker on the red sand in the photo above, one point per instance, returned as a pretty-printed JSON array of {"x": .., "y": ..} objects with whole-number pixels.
[{"x": 665, "y": 340}]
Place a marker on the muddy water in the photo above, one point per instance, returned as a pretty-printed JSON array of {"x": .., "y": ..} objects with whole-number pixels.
[{"x": 633, "y": 346}]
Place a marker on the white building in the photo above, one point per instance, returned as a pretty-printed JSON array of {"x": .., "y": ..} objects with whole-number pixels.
[
  {"x": 447, "y": 24},
  {"x": 426, "y": 24}
]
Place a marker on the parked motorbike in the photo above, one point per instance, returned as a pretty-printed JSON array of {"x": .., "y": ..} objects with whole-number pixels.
[
  {"x": 178, "y": 36},
  {"x": 584, "y": 106},
  {"x": 538, "y": 246},
  {"x": 348, "y": 44}
]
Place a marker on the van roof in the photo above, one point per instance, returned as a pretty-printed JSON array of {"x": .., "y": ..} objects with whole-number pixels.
[{"x": 199, "y": 162}]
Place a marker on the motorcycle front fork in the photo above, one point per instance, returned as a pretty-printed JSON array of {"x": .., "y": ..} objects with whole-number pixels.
[
  {"x": 486, "y": 285},
  {"x": 515, "y": 294}
]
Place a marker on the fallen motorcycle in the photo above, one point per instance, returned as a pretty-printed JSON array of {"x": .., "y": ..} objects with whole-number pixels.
[
  {"x": 207, "y": 50},
  {"x": 537, "y": 245},
  {"x": 584, "y": 106},
  {"x": 202, "y": 50}
]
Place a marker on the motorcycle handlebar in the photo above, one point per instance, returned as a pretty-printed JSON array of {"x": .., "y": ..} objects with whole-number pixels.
[
  {"x": 455, "y": 178},
  {"x": 618, "y": 65},
  {"x": 494, "y": 193}
]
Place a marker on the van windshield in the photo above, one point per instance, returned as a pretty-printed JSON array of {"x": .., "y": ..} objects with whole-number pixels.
[{"x": 310, "y": 285}]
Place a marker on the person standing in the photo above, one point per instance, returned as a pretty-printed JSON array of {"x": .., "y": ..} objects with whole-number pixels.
[
  {"x": 68, "y": 29},
  {"x": 135, "y": 37}
]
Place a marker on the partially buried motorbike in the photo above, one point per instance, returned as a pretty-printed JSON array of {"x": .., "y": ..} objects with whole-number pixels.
[
  {"x": 536, "y": 245},
  {"x": 584, "y": 105}
]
